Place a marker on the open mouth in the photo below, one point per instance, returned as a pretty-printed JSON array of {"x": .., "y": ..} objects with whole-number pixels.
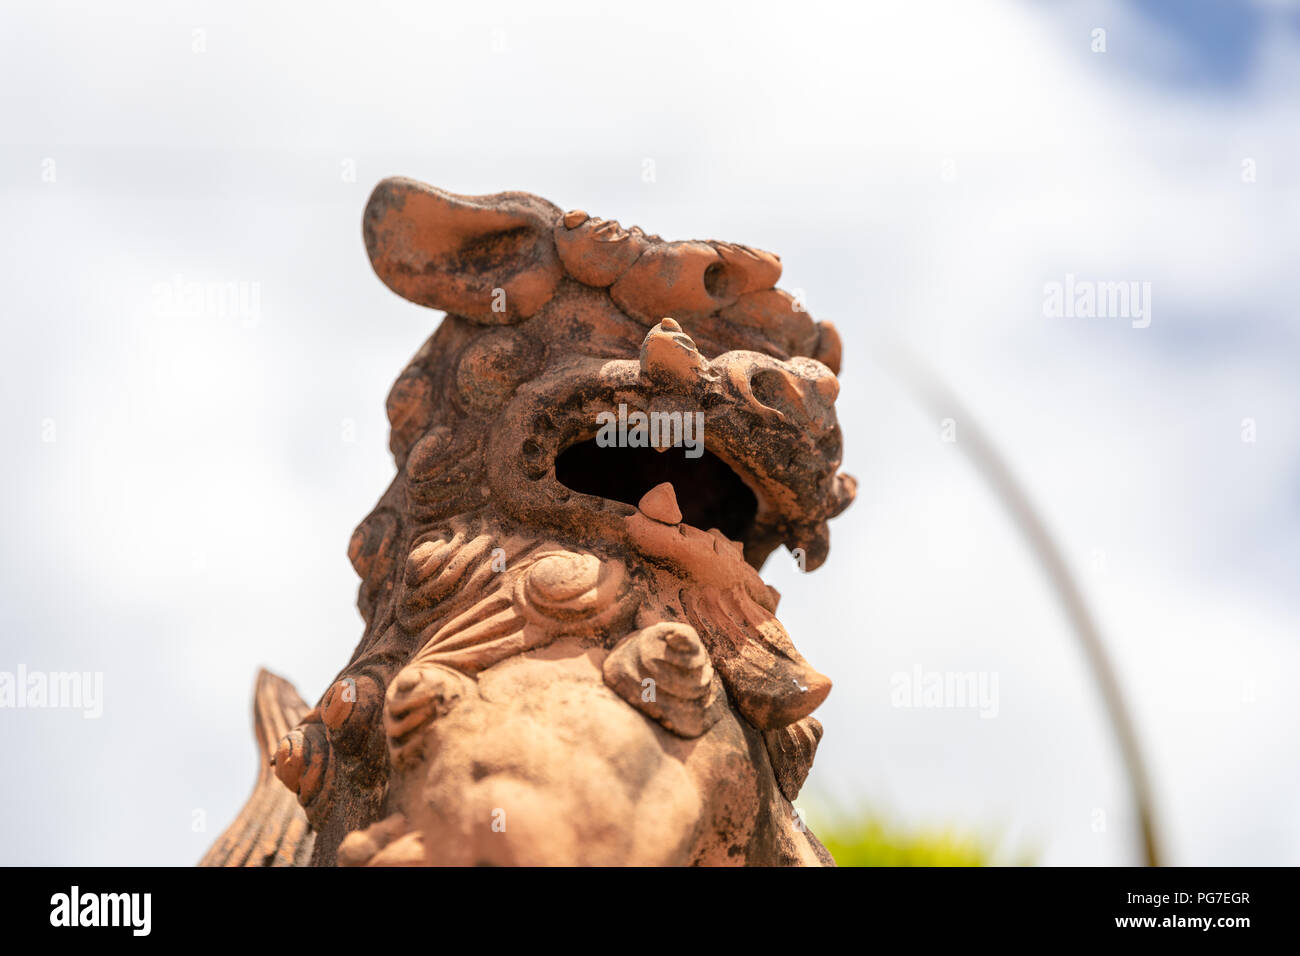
[
  {"x": 766, "y": 477},
  {"x": 709, "y": 493}
]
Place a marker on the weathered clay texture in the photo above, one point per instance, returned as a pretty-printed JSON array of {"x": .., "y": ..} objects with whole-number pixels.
[{"x": 569, "y": 655}]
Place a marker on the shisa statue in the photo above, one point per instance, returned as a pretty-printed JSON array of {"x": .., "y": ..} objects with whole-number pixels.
[{"x": 569, "y": 656}]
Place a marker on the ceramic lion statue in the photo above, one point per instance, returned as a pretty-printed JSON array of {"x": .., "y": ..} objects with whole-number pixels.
[{"x": 569, "y": 656}]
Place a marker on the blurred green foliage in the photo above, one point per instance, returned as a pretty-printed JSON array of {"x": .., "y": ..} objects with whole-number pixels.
[{"x": 865, "y": 839}]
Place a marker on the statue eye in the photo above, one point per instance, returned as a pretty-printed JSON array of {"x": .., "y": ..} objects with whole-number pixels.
[{"x": 719, "y": 282}]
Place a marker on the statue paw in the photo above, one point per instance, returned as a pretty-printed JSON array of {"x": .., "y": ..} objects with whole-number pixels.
[
  {"x": 664, "y": 671},
  {"x": 390, "y": 842},
  {"x": 419, "y": 694}
]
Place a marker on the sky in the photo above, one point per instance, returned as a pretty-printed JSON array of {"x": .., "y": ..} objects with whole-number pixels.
[{"x": 182, "y": 477}]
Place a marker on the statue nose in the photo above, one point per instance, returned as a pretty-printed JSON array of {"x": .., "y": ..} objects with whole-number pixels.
[{"x": 801, "y": 391}]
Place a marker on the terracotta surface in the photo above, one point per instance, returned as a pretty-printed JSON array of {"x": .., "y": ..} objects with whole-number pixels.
[{"x": 569, "y": 655}]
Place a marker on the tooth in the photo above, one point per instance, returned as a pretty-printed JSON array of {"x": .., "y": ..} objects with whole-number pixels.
[{"x": 660, "y": 503}]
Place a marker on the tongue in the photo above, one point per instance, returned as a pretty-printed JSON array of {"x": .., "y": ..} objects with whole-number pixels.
[{"x": 660, "y": 504}]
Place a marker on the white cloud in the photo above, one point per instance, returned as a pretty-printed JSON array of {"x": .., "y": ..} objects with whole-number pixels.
[{"x": 190, "y": 523}]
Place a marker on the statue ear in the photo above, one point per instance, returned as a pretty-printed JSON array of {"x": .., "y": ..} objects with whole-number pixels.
[{"x": 491, "y": 259}]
